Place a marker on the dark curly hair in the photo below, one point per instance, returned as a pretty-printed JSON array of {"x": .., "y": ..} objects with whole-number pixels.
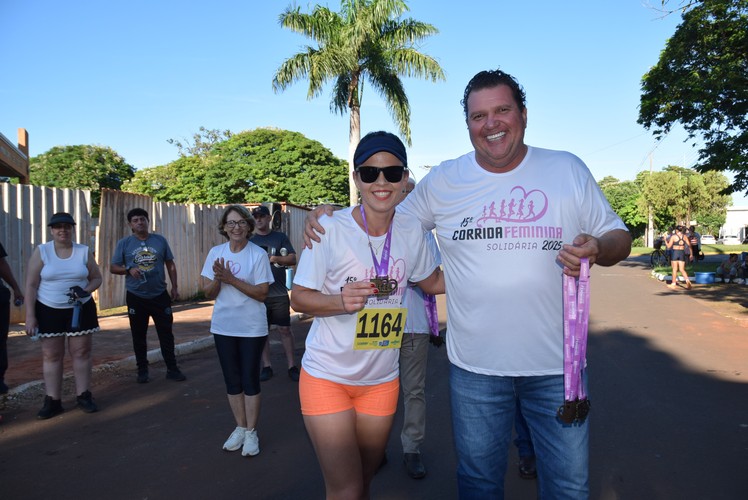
[
  {"x": 493, "y": 78},
  {"x": 243, "y": 212}
]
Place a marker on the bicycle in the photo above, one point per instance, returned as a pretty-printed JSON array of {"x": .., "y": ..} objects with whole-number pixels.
[{"x": 659, "y": 257}]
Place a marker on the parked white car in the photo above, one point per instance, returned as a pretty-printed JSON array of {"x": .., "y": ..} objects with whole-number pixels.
[
  {"x": 727, "y": 240},
  {"x": 708, "y": 239}
]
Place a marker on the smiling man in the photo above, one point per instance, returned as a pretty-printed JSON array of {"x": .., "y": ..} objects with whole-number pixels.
[{"x": 505, "y": 324}]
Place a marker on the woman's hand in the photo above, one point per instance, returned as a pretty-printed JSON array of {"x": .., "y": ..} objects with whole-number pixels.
[
  {"x": 221, "y": 271},
  {"x": 355, "y": 294},
  {"x": 31, "y": 326}
]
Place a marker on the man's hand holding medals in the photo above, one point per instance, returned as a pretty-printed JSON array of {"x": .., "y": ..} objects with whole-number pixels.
[{"x": 576, "y": 318}]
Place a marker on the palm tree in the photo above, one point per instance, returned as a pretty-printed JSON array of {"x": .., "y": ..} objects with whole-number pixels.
[{"x": 366, "y": 41}]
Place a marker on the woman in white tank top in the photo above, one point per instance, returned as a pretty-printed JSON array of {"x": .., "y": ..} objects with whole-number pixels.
[{"x": 60, "y": 278}]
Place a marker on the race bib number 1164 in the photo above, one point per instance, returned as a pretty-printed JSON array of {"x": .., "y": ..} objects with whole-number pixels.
[{"x": 380, "y": 328}]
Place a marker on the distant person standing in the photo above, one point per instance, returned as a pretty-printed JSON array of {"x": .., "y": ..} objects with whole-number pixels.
[
  {"x": 237, "y": 275},
  {"x": 142, "y": 257},
  {"x": 681, "y": 253},
  {"x": 421, "y": 328},
  {"x": 6, "y": 275},
  {"x": 281, "y": 254},
  {"x": 694, "y": 239},
  {"x": 60, "y": 278}
]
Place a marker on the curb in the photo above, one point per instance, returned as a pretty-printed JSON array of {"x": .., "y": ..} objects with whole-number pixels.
[{"x": 154, "y": 355}]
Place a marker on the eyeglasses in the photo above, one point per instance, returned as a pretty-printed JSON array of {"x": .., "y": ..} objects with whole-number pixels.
[
  {"x": 371, "y": 174},
  {"x": 61, "y": 226},
  {"x": 234, "y": 223}
]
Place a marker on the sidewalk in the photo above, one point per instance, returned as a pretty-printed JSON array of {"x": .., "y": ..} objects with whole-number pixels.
[{"x": 112, "y": 346}]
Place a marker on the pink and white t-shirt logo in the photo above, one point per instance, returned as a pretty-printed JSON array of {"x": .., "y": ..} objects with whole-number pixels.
[{"x": 519, "y": 207}]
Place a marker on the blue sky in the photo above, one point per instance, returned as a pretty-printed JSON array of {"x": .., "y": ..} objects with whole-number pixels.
[{"x": 131, "y": 75}]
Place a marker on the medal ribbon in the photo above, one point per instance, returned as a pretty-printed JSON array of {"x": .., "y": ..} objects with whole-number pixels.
[
  {"x": 430, "y": 304},
  {"x": 576, "y": 320},
  {"x": 380, "y": 267}
]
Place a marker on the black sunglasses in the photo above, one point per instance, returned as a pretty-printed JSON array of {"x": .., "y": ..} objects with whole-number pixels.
[{"x": 371, "y": 174}]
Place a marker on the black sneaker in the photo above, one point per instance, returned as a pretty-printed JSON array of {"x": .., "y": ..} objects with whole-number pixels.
[
  {"x": 143, "y": 377},
  {"x": 293, "y": 373},
  {"x": 85, "y": 402},
  {"x": 266, "y": 374},
  {"x": 3, "y": 387},
  {"x": 175, "y": 375},
  {"x": 51, "y": 408}
]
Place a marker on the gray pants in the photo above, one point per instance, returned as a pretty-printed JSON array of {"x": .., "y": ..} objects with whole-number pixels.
[{"x": 413, "y": 356}]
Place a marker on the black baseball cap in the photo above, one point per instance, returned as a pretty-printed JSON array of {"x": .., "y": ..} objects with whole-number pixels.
[
  {"x": 61, "y": 218},
  {"x": 260, "y": 211},
  {"x": 376, "y": 142}
]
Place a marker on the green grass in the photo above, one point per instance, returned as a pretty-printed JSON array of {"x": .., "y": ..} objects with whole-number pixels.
[
  {"x": 698, "y": 267},
  {"x": 707, "y": 249}
]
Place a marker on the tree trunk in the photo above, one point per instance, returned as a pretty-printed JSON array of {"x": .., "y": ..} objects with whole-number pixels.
[{"x": 354, "y": 137}]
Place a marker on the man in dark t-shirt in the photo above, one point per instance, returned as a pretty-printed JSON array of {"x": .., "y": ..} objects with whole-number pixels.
[{"x": 281, "y": 254}]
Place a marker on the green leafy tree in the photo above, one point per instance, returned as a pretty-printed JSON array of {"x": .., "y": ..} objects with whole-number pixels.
[
  {"x": 712, "y": 214},
  {"x": 271, "y": 164},
  {"x": 81, "y": 167},
  {"x": 624, "y": 200},
  {"x": 679, "y": 195},
  {"x": 201, "y": 143},
  {"x": 253, "y": 166},
  {"x": 701, "y": 82},
  {"x": 181, "y": 181},
  {"x": 366, "y": 41},
  {"x": 660, "y": 191}
]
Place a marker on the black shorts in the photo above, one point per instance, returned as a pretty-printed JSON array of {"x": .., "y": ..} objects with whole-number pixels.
[
  {"x": 679, "y": 255},
  {"x": 57, "y": 322},
  {"x": 278, "y": 310}
]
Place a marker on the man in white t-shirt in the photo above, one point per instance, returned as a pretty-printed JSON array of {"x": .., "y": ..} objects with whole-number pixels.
[{"x": 511, "y": 220}]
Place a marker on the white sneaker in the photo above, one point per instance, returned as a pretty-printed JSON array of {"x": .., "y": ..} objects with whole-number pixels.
[
  {"x": 235, "y": 440},
  {"x": 251, "y": 444}
]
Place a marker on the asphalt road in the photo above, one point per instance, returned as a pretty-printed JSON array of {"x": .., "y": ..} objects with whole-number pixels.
[{"x": 668, "y": 385}]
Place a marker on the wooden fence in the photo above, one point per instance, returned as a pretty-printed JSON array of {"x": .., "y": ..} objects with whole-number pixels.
[
  {"x": 24, "y": 212},
  {"x": 191, "y": 230}
]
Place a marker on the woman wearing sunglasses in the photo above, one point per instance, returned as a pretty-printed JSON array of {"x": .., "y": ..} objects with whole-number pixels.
[{"x": 353, "y": 284}]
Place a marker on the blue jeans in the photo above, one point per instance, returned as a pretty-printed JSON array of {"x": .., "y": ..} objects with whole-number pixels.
[
  {"x": 483, "y": 408},
  {"x": 523, "y": 442}
]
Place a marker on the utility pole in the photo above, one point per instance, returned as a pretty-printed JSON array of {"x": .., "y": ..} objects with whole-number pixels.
[{"x": 650, "y": 221}]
